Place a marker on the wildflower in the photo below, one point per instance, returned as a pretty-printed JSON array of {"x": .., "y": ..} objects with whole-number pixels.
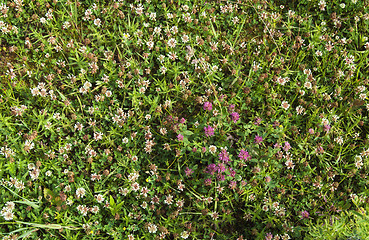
[
  {"x": 287, "y": 146},
  {"x": 326, "y": 128},
  {"x": 185, "y": 234},
  {"x": 97, "y": 22},
  {"x": 289, "y": 164},
  {"x": 10, "y": 206},
  {"x": 98, "y": 136},
  {"x": 209, "y": 131},
  {"x": 163, "y": 70},
  {"x": 308, "y": 85},
  {"x": 180, "y": 137},
  {"x": 80, "y": 192},
  {"x": 305, "y": 214},
  {"x": 325, "y": 121},
  {"x": 258, "y": 139},
  {"x": 319, "y": 150},
  {"x": 125, "y": 36},
  {"x": 152, "y": 228},
  {"x": 208, "y": 106},
  {"x": 235, "y": 117},
  {"x": 125, "y": 140},
  {"x": 339, "y": 140},
  {"x": 188, "y": 172},
  {"x": 172, "y": 42},
  {"x": 257, "y": 121},
  {"x": 8, "y": 215},
  {"x": 311, "y": 131},
  {"x": 212, "y": 149},
  {"x": 224, "y": 156},
  {"x": 300, "y": 110},
  {"x": 99, "y": 198},
  {"x": 285, "y": 105},
  {"x": 268, "y": 179},
  {"x": 244, "y": 155},
  {"x": 207, "y": 182},
  {"x": 268, "y": 236},
  {"x": 135, "y": 186},
  {"x": 358, "y": 161},
  {"x": 214, "y": 215},
  {"x": 168, "y": 199},
  {"x": 185, "y": 38}
]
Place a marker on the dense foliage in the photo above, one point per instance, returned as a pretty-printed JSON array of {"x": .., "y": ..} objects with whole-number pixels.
[{"x": 182, "y": 119}]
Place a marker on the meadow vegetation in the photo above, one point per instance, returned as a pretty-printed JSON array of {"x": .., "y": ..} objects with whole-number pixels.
[{"x": 184, "y": 119}]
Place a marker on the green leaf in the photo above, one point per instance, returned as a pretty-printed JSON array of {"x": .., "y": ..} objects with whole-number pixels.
[
  {"x": 112, "y": 202},
  {"x": 187, "y": 133}
]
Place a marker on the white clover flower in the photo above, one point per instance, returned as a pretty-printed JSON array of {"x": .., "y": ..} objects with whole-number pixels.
[{"x": 80, "y": 192}]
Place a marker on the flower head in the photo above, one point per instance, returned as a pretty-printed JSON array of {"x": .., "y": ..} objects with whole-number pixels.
[
  {"x": 209, "y": 131},
  {"x": 305, "y": 214},
  {"x": 180, "y": 137},
  {"x": 235, "y": 117},
  {"x": 244, "y": 155},
  {"x": 208, "y": 106},
  {"x": 258, "y": 139}
]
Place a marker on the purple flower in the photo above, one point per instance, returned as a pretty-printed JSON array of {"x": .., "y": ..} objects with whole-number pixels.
[
  {"x": 220, "y": 177},
  {"x": 209, "y": 131},
  {"x": 244, "y": 155},
  {"x": 223, "y": 156},
  {"x": 231, "y": 107},
  {"x": 305, "y": 214},
  {"x": 235, "y": 117},
  {"x": 277, "y": 145},
  {"x": 326, "y": 128},
  {"x": 311, "y": 131},
  {"x": 180, "y": 137},
  {"x": 268, "y": 179},
  {"x": 221, "y": 168},
  {"x": 258, "y": 139},
  {"x": 232, "y": 185},
  {"x": 203, "y": 149},
  {"x": 257, "y": 121},
  {"x": 188, "y": 171},
  {"x": 287, "y": 146},
  {"x": 268, "y": 236},
  {"x": 319, "y": 149},
  {"x": 207, "y": 182},
  {"x": 183, "y": 120},
  {"x": 211, "y": 168},
  {"x": 233, "y": 172},
  {"x": 208, "y": 106}
]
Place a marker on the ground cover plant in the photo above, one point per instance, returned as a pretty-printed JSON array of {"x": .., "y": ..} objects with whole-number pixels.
[{"x": 164, "y": 119}]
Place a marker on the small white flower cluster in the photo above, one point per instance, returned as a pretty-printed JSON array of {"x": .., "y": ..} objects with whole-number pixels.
[
  {"x": 5, "y": 28},
  {"x": 7, "y": 152},
  {"x": 282, "y": 81},
  {"x": 358, "y": 161},
  {"x": 7, "y": 211},
  {"x": 80, "y": 192},
  {"x": 152, "y": 228},
  {"x": 34, "y": 171},
  {"x": 18, "y": 111},
  {"x": 86, "y": 87},
  {"x": 41, "y": 90},
  {"x": 83, "y": 209},
  {"x": 18, "y": 184}
]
